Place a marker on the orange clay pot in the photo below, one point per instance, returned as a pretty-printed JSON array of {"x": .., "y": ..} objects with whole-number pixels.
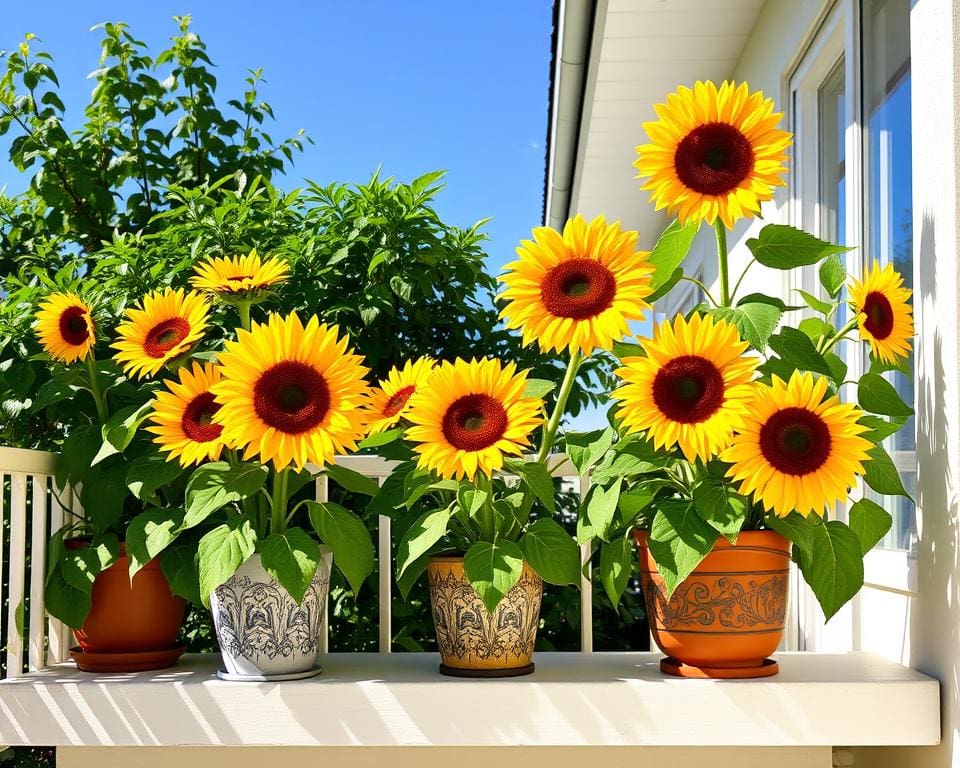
[
  {"x": 127, "y": 618},
  {"x": 474, "y": 642},
  {"x": 726, "y": 619}
]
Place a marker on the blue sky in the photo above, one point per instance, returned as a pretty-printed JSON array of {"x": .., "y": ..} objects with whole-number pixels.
[{"x": 413, "y": 86}]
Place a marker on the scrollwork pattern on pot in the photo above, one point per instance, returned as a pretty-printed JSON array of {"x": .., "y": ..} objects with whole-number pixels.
[{"x": 734, "y": 603}]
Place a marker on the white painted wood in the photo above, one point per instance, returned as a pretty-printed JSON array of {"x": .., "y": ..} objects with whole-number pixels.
[
  {"x": 385, "y": 580},
  {"x": 17, "y": 560},
  {"x": 608, "y": 699},
  {"x": 28, "y": 461},
  {"x": 322, "y": 494},
  {"x": 58, "y": 640},
  {"x": 586, "y": 584},
  {"x": 38, "y": 569}
]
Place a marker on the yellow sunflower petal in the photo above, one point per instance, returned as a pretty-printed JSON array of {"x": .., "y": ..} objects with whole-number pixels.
[
  {"x": 239, "y": 275},
  {"x": 390, "y": 401}
]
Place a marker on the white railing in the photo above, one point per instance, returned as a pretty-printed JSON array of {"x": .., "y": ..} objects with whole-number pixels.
[{"x": 33, "y": 502}]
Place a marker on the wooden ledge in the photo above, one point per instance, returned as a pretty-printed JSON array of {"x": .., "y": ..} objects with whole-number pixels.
[{"x": 603, "y": 699}]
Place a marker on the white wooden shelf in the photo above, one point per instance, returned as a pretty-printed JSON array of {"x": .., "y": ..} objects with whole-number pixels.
[{"x": 604, "y": 699}]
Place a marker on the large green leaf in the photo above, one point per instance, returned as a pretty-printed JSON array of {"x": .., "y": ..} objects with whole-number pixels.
[
  {"x": 181, "y": 567},
  {"x": 870, "y": 522},
  {"x": 679, "y": 540},
  {"x": 539, "y": 388},
  {"x": 352, "y": 481},
  {"x": 420, "y": 537},
  {"x": 585, "y": 449},
  {"x": 221, "y": 552},
  {"x": 66, "y": 602},
  {"x": 795, "y": 528},
  {"x": 835, "y": 570},
  {"x": 833, "y": 275},
  {"x": 720, "y": 507},
  {"x": 103, "y": 494},
  {"x": 616, "y": 559},
  {"x": 118, "y": 432},
  {"x": 538, "y": 480},
  {"x": 149, "y": 533},
  {"x": 796, "y": 348},
  {"x": 147, "y": 473},
  {"x": 781, "y": 246},
  {"x": 77, "y": 452},
  {"x": 551, "y": 552},
  {"x": 291, "y": 558},
  {"x": 348, "y": 537},
  {"x": 755, "y": 321},
  {"x": 881, "y": 474},
  {"x": 391, "y": 494},
  {"x": 877, "y": 395},
  {"x": 670, "y": 250},
  {"x": 601, "y": 508},
  {"x": 212, "y": 486},
  {"x": 493, "y": 569},
  {"x": 880, "y": 429}
]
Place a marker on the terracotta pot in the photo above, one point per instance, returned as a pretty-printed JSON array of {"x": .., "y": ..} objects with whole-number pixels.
[
  {"x": 264, "y": 635},
  {"x": 474, "y": 643},
  {"x": 728, "y": 616},
  {"x": 130, "y": 618}
]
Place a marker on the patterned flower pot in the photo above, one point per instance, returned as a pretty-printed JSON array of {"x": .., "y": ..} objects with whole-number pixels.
[
  {"x": 726, "y": 619},
  {"x": 474, "y": 643},
  {"x": 263, "y": 634}
]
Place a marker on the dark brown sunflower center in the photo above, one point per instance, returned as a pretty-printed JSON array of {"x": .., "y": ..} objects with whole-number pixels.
[
  {"x": 291, "y": 397},
  {"x": 795, "y": 441},
  {"x": 474, "y": 422},
  {"x": 197, "y": 420},
  {"x": 397, "y": 400},
  {"x": 713, "y": 159},
  {"x": 688, "y": 389},
  {"x": 879, "y": 314},
  {"x": 165, "y": 335},
  {"x": 578, "y": 289},
  {"x": 239, "y": 278},
  {"x": 73, "y": 326}
]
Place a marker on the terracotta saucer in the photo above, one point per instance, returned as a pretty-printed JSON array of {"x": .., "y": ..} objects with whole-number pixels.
[
  {"x": 507, "y": 672},
  {"x": 676, "y": 668},
  {"x": 137, "y": 661}
]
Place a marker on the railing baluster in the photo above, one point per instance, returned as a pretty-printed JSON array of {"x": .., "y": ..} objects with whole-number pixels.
[
  {"x": 58, "y": 633},
  {"x": 17, "y": 560},
  {"x": 323, "y": 490},
  {"x": 3, "y": 478},
  {"x": 586, "y": 584},
  {"x": 385, "y": 559},
  {"x": 38, "y": 569}
]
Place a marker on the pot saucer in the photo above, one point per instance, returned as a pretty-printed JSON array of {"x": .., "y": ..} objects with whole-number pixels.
[
  {"x": 132, "y": 661},
  {"x": 506, "y": 672},
  {"x": 234, "y": 678},
  {"x": 670, "y": 666}
]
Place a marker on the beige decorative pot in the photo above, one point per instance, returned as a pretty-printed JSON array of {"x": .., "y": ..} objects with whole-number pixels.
[{"x": 474, "y": 643}]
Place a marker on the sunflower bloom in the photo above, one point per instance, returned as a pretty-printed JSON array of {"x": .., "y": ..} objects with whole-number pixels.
[
  {"x": 65, "y": 327},
  {"x": 470, "y": 416},
  {"x": 390, "y": 402},
  {"x": 884, "y": 314},
  {"x": 577, "y": 290},
  {"x": 291, "y": 393},
  {"x": 693, "y": 388},
  {"x": 714, "y": 153},
  {"x": 183, "y": 416},
  {"x": 168, "y": 325},
  {"x": 800, "y": 448},
  {"x": 239, "y": 275}
]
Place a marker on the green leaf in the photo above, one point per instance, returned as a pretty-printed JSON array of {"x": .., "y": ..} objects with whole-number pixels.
[
  {"x": 493, "y": 570},
  {"x": 150, "y": 472},
  {"x": 601, "y": 508},
  {"x": 722, "y": 508},
  {"x": 391, "y": 494},
  {"x": 103, "y": 494},
  {"x": 755, "y": 322},
  {"x": 352, "y": 481},
  {"x": 838, "y": 368},
  {"x": 412, "y": 574},
  {"x": 781, "y": 246},
  {"x": 537, "y": 478},
  {"x": 118, "y": 432},
  {"x": 679, "y": 540},
  {"x": 880, "y": 429},
  {"x": 348, "y": 537},
  {"x": 817, "y": 305},
  {"x": 795, "y": 528},
  {"x": 616, "y": 559},
  {"x": 539, "y": 388},
  {"x": 181, "y": 567},
  {"x": 214, "y": 485},
  {"x": 66, "y": 602},
  {"x": 795, "y": 347},
  {"x": 292, "y": 558},
  {"x": 666, "y": 286},
  {"x": 870, "y": 522},
  {"x": 623, "y": 349},
  {"x": 381, "y": 438},
  {"x": 221, "y": 552},
  {"x": 551, "y": 552},
  {"x": 833, "y": 275},
  {"x": 814, "y": 328},
  {"x": 149, "y": 533},
  {"x": 882, "y": 475},
  {"x": 835, "y": 569},
  {"x": 420, "y": 537},
  {"x": 671, "y": 249},
  {"x": 76, "y": 454},
  {"x": 877, "y": 395},
  {"x": 585, "y": 449}
]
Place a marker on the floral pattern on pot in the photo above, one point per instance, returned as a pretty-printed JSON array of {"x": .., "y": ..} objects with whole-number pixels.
[
  {"x": 260, "y": 628},
  {"x": 471, "y": 638}
]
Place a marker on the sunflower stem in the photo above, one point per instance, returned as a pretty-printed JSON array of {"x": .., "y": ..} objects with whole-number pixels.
[
  {"x": 244, "y": 308},
  {"x": 278, "y": 516},
  {"x": 851, "y": 324},
  {"x": 553, "y": 424},
  {"x": 488, "y": 521},
  {"x": 95, "y": 388},
  {"x": 724, "y": 267}
]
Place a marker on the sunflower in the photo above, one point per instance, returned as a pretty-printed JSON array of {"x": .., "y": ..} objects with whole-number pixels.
[
  {"x": 183, "y": 416},
  {"x": 470, "y": 415},
  {"x": 884, "y": 314},
  {"x": 577, "y": 290},
  {"x": 65, "y": 327},
  {"x": 692, "y": 389},
  {"x": 715, "y": 152},
  {"x": 799, "y": 448},
  {"x": 390, "y": 401},
  {"x": 239, "y": 275},
  {"x": 167, "y": 326},
  {"x": 290, "y": 393}
]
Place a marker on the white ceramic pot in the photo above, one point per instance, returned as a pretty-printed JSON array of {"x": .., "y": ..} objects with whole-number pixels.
[{"x": 262, "y": 632}]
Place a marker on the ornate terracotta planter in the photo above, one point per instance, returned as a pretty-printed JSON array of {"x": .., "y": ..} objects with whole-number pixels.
[
  {"x": 474, "y": 643},
  {"x": 264, "y": 635},
  {"x": 131, "y": 626},
  {"x": 728, "y": 617}
]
